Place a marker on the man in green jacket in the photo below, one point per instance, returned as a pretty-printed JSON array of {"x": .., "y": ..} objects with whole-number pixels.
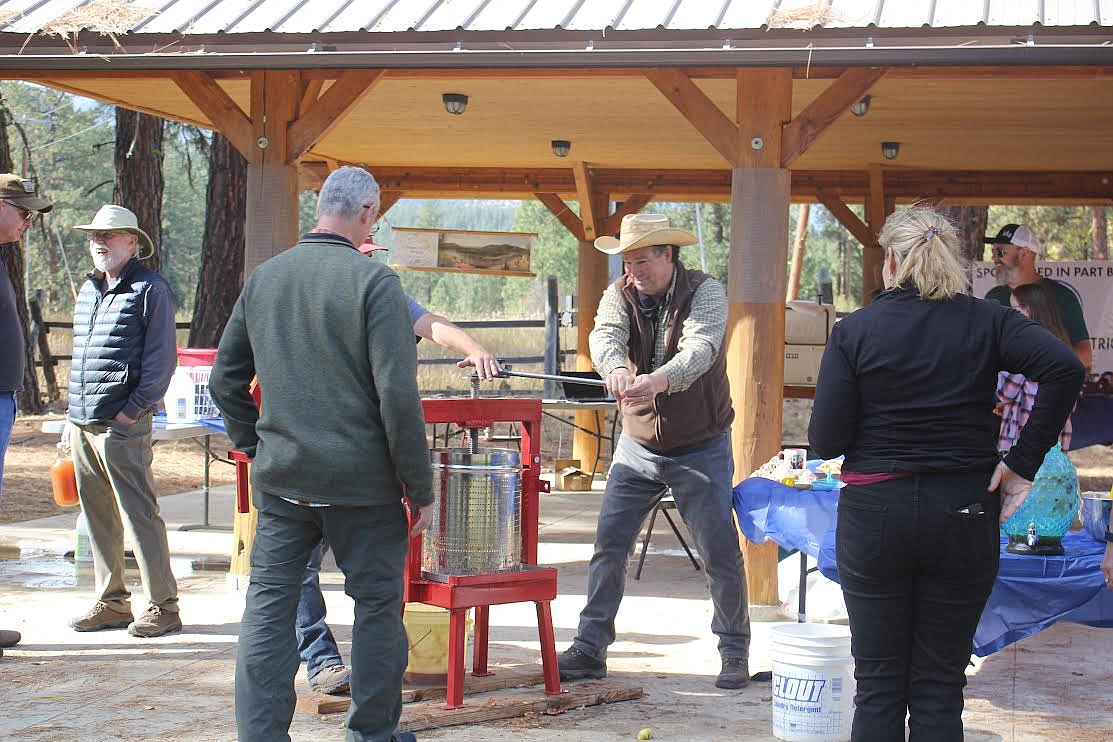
[{"x": 338, "y": 442}]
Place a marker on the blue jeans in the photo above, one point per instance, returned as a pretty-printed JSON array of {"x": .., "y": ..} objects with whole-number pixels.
[
  {"x": 316, "y": 644},
  {"x": 700, "y": 482},
  {"x": 370, "y": 545},
  {"x": 7, "y": 422}
]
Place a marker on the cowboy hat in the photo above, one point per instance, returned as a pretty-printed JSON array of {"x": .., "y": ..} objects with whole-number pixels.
[
  {"x": 643, "y": 230},
  {"x": 117, "y": 218}
]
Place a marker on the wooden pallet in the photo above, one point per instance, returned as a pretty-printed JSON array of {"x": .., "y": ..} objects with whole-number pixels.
[
  {"x": 509, "y": 704},
  {"x": 510, "y": 692},
  {"x": 506, "y": 676}
]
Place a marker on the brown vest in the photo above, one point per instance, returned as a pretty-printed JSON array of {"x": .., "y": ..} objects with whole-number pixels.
[{"x": 681, "y": 419}]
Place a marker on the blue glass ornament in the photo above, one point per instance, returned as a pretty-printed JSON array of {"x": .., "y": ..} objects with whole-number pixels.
[{"x": 1038, "y": 525}]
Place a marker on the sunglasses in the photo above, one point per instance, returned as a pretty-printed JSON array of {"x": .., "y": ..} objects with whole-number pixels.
[
  {"x": 999, "y": 250},
  {"x": 27, "y": 215}
]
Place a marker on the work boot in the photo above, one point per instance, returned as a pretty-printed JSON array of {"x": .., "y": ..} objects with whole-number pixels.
[
  {"x": 155, "y": 622},
  {"x": 735, "y": 673},
  {"x": 332, "y": 679},
  {"x": 9, "y": 638},
  {"x": 101, "y": 617},
  {"x": 575, "y": 665}
]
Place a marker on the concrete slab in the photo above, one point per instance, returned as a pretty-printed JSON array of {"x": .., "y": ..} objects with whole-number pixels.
[{"x": 58, "y": 684}]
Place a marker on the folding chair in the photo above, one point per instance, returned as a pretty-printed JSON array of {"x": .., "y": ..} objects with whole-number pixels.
[{"x": 664, "y": 505}]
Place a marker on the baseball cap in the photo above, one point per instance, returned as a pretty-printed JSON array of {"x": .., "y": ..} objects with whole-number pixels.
[
  {"x": 22, "y": 192},
  {"x": 368, "y": 247},
  {"x": 1016, "y": 234}
]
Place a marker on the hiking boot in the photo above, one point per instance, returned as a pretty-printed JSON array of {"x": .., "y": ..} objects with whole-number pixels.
[
  {"x": 575, "y": 665},
  {"x": 735, "y": 673},
  {"x": 9, "y": 638},
  {"x": 101, "y": 617},
  {"x": 332, "y": 680},
  {"x": 155, "y": 622}
]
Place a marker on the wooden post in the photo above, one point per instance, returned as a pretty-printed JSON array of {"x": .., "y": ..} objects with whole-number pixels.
[
  {"x": 875, "y": 218},
  {"x": 552, "y": 335},
  {"x": 39, "y": 331},
  {"x": 272, "y": 181},
  {"x": 591, "y": 282},
  {"x": 759, "y": 204}
]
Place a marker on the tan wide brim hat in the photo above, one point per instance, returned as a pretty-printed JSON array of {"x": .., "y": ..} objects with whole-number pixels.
[
  {"x": 112, "y": 217},
  {"x": 644, "y": 230}
]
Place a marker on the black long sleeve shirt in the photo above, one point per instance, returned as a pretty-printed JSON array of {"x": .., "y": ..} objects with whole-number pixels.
[{"x": 909, "y": 385}]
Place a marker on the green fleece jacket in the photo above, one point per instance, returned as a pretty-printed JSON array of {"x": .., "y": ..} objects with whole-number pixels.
[{"x": 327, "y": 333}]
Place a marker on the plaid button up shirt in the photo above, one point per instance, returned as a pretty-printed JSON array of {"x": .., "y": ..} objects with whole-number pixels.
[
  {"x": 701, "y": 335},
  {"x": 1018, "y": 395}
]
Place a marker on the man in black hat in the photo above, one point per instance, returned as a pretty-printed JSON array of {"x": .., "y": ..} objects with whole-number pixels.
[
  {"x": 1015, "y": 251},
  {"x": 20, "y": 203}
]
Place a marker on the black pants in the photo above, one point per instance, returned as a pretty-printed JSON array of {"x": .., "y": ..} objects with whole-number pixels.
[{"x": 916, "y": 574}]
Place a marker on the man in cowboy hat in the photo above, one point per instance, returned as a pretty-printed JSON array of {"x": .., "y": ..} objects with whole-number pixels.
[
  {"x": 124, "y": 353},
  {"x": 20, "y": 203},
  {"x": 658, "y": 344},
  {"x": 1015, "y": 252}
]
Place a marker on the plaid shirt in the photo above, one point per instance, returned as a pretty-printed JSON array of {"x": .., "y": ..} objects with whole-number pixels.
[
  {"x": 1017, "y": 395},
  {"x": 700, "y": 337}
]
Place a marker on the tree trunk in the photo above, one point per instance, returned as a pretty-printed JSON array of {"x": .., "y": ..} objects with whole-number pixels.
[
  {"x": 29, "y": 400},
  {"x": 1100, "y": 249},
  {"x": 798, "y": 245},
  {"x": 139, "y": 183},
  {"x": 220, "y": 275},
  {"x": 970, "y": 221}
]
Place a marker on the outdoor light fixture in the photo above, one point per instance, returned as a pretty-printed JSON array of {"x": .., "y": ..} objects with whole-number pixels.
[
  {"x": 890, "y": 150},
  {"x": 561, "y": 147},
  {"x": 862, "y": 107},
  {"x": 454, "y": 103}
]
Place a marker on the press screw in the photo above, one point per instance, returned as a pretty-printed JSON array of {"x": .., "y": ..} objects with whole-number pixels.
[
  {"x": 263, "y": 142},
  {"x": 756, "y": 143}
]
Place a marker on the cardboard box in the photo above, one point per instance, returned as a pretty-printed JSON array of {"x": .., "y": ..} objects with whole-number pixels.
[
  {"x": 808, "y": 323},
  {"x": 573, "y": 479},
  {"x": 560, "y": 464},
  {"x": 802, "y": 364}
]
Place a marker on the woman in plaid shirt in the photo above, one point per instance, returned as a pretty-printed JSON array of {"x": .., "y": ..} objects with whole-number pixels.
[{"x": 1016, "y": 392}]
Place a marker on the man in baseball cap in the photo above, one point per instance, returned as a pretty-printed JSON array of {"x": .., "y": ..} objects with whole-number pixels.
[
  {"x": 20, "y": 203},
  {"x": 1015, "y": 251}
]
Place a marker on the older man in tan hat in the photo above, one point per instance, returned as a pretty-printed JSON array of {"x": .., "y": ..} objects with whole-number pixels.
[
  {"x": 124, "y": 353},
  {"x": 20, "y": 203},
  {"x": 658, "y": 343}
]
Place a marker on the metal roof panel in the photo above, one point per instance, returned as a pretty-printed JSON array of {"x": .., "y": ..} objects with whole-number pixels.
[
  {"x": 645, "y": 14},
  {"x": 743, "y": 14},
  {"x": 544, "y": 14},
  {"x": 595, "y": 15}
]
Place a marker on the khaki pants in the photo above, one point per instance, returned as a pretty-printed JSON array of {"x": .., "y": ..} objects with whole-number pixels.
[{"x": 113, "y": 466}]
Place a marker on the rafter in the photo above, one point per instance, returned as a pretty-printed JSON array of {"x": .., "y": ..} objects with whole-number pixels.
[
  {"x": 226, "y": 116},
  {"x": 708, "y": 119},
  {"x": 846, "y": 217},
  {"x": 388, "y": 199},
  {"x": 563, "y": 213},
  {"x": 329, "y": 110},
  {"x": 825, "y": 110},
  {"x": 585, "y": 193}
]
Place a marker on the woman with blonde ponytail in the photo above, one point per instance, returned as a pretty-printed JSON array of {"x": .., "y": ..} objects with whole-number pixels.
[{"x": 906, "y": 392}]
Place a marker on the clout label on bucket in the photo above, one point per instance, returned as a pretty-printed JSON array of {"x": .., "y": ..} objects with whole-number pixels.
[{"x": 797, "y": 689}]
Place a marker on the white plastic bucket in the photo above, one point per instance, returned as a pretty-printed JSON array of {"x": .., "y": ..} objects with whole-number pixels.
[{"x": 813, "y": 683}]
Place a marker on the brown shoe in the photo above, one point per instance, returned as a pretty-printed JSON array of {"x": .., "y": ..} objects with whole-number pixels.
[
  {"x": 155, "y": 622},
  {"x": 101, "y": 617},
  {"x": 9, "y": 638}
]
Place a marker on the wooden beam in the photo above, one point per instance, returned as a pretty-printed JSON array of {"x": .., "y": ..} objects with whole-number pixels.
[
  {"x": 330, "y": 109},
  {"x": 764, "y": 107},
  {"x": 1092, "y": 187},
  {"x": 586, "y": 195},
  {"x": 707, "y": 118},
  {"x": 877, "y": 211},
  {"x": 825, "y": 110},
  {"x": 388, "y": 199},
  {"x": 226, "y": 117},
  {"x": 563, "y": 213},
  {"x": 631, "y": 205},
  {"x": 310, "y": 89},
  {"x": 847, "y": 218}
]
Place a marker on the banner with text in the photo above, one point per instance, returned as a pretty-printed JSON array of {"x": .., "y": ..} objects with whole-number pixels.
[{"x": 1091, "y": 281}]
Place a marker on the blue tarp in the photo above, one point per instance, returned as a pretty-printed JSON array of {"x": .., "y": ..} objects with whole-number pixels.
[{"x": 1030, "y": 594}]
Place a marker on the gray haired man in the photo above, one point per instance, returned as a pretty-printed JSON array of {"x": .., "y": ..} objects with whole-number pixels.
[{"x": 339, "y": 439}]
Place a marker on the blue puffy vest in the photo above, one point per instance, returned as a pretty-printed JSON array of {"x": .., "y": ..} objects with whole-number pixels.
[{"x": 108, "y": 335}]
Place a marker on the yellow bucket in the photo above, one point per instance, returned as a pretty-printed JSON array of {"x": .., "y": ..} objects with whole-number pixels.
[{"x": 427, "y": 629}]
